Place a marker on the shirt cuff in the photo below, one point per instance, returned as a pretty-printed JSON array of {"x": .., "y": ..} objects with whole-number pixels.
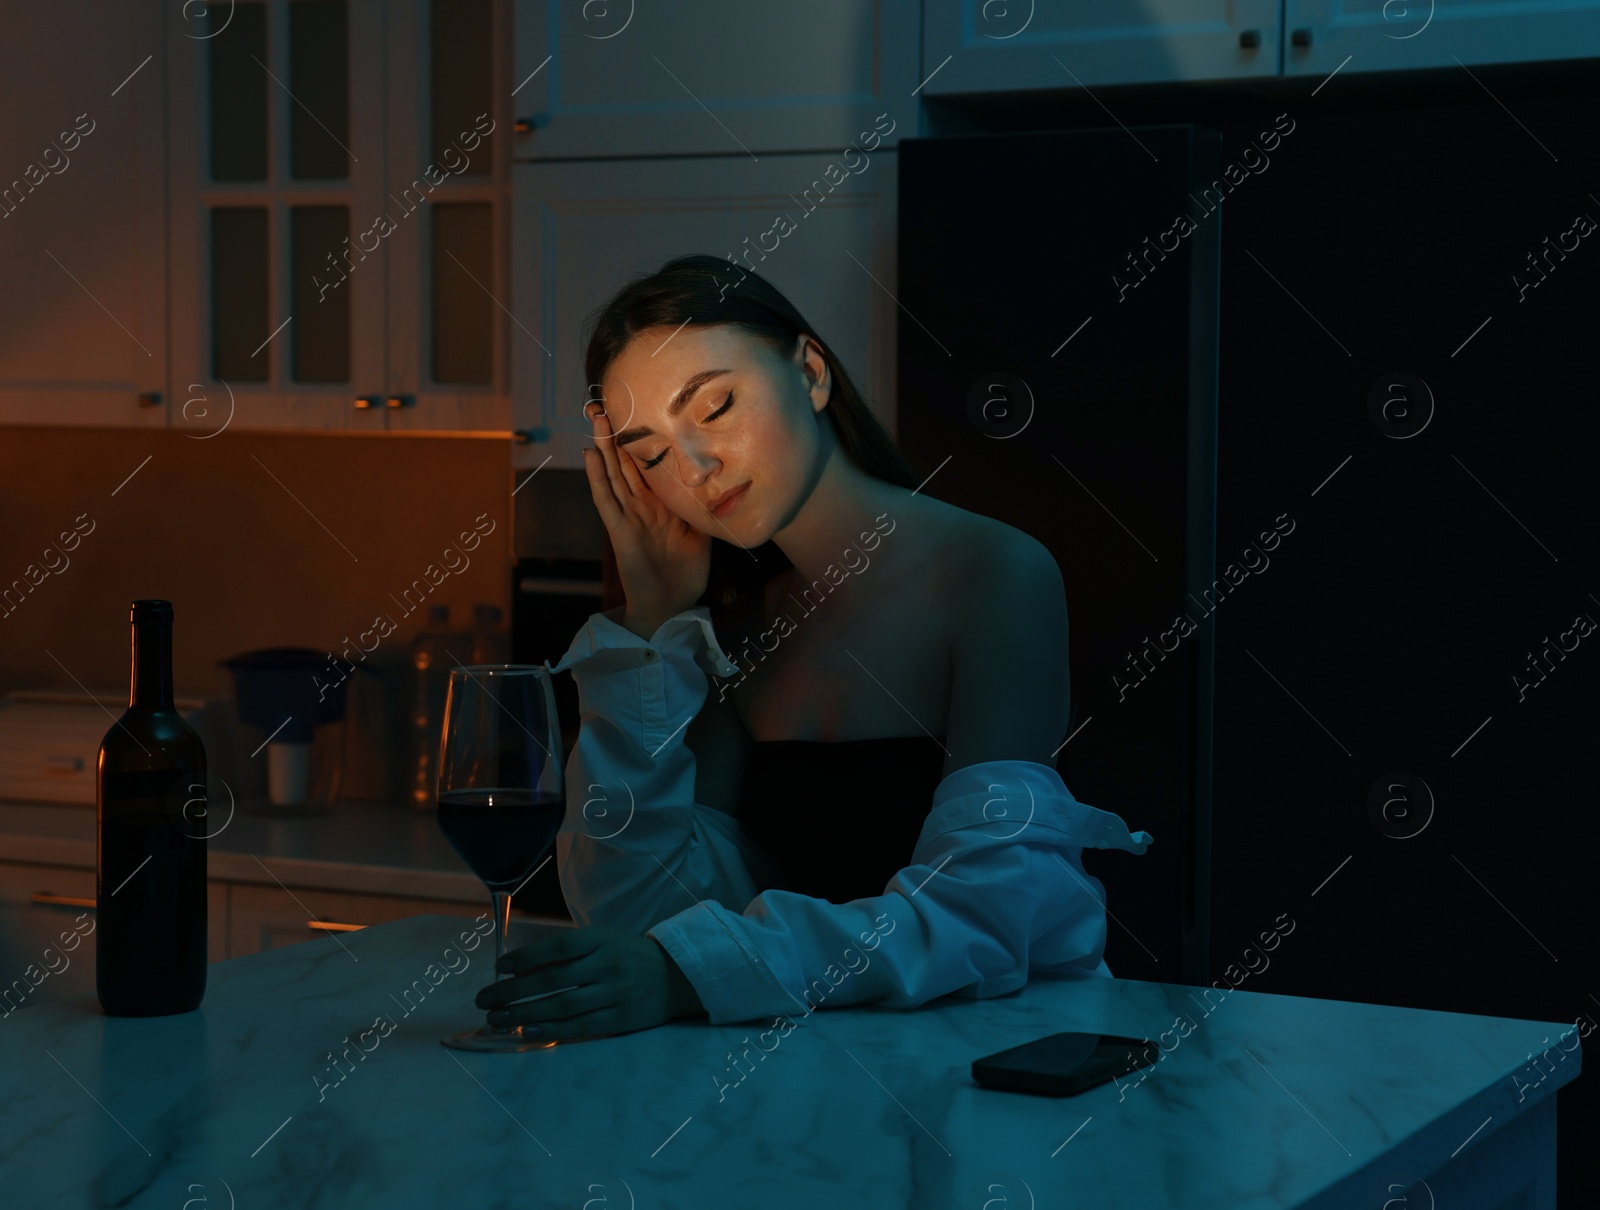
[
  {"x": 732, "y": 981},
  {"x": 690, "y": 632},
  {"x": 647, "y": 688},
  {"x": 1006, "y": 797}
]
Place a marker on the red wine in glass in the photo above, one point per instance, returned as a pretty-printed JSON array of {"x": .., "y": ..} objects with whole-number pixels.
[
  {"x": 501, "y": 797},
  {"x": 500, "y": 834}
]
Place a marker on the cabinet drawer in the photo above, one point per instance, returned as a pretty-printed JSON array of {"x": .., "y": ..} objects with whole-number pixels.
[
  {"x": 263, "y": 918},
  {"x": 19, "y": 883},
  {"x": 64, "y": 884}
]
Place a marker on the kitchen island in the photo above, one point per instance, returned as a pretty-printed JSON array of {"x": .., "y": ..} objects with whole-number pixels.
[{"x": 312, "y": 1076}]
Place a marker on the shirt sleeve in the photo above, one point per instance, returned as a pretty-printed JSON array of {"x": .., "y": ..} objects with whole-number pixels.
[
  {"x": 634, "y": 847},
  {"x": 995, "y": 889}
]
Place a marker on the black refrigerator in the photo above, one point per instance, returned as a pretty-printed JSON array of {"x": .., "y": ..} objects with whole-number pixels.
[
  {"x": 1357, "y": 395},
  {"x": 1057, "y": 370}
]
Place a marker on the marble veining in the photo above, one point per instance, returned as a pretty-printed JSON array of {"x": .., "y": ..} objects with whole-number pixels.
[{"x": 1269, "y": 1101}]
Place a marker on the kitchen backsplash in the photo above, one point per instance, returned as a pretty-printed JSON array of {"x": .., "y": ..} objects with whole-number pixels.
[{"x": 259, "y": 539}]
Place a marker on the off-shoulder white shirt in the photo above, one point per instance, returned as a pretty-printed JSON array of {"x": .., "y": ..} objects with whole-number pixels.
[{"x": 995, "y": 887}]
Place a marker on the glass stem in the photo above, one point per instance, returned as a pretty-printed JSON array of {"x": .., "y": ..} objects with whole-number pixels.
[
  {"x": 502, "y": 941},
  {"x": 502, "y": 924}
]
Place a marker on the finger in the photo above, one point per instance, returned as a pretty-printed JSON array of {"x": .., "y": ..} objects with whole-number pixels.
[
  {"x": 562, "y": 1007},
  {"x": 576, "y": 972},
  {"x": 603, "y": 441},
  {"x": 568, "y": 943},
  {"x": 628, "y": 466},
  {"x": 605, "y": 498},
  {"x": 631, "y": 472},
  {"x": 613, "y": 409}
]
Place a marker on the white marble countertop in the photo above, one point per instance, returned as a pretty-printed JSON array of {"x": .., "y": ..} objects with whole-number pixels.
[
  {"x": 1268, "y": 1101},
  {"x": 369, "y": 848}
]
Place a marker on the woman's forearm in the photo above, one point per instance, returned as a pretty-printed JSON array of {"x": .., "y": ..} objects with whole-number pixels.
[{"x": 635, "y": 847}]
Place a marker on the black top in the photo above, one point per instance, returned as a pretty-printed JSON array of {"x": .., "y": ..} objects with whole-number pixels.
[{"x": 838, "y": 818}]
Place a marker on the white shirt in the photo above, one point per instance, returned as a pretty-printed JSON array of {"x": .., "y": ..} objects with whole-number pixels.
[{"x": 995, "y": 888}]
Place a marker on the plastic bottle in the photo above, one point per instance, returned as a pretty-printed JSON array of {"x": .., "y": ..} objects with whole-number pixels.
[
  {"x": 431, "y": 662},
  {"x": 490, "y": 643}
]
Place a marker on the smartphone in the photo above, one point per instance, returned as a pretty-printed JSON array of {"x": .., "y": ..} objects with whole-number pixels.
[{"x": 1063, "y": 1065}]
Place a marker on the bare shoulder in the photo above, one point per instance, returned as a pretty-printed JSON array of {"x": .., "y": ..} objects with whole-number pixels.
[
  {"x": 991, "y": 567},
  {"x": 1010, "y": 694}
]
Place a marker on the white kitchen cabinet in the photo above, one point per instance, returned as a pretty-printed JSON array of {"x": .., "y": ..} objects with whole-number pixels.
[
  {"x": 984, "y": 46},
  {"x": 242, "y": 918},
  {"x": 82, "y": 230},
  {"x": 710, "y": 77},
  {"x": 325, "y": 162},
  {"x": 257, "y": 173},
  {"x": 582, "y": 229},
  {"x": 449, "y": 263},
  {"x": 1401, "y": 35},
  {"x": 50, "y": 898},
  {"x": 269, "y": 917},
  {"x": 266, "y": 917},
  {"x": 975, "y": 46}
]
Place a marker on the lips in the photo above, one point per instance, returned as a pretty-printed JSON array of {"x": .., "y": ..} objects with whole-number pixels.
[{"x": 729, "y": 501}]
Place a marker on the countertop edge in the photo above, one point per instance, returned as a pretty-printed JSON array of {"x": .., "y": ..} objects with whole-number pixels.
[{"x": 228, "y": 866}]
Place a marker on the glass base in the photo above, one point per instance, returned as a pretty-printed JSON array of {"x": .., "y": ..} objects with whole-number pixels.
[{"x": 498, "y": 1041}]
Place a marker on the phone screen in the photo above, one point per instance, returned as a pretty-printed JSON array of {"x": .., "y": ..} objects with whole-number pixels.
[{"x": 1063, "y": 1064}]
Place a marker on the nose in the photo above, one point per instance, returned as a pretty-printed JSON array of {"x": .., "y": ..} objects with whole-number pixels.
[{"x": 698, "y": 459}]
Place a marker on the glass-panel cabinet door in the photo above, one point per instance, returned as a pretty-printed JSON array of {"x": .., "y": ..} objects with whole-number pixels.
[
  {"x": 278, "y": 162},
  {"x": 446, "y": 215}
]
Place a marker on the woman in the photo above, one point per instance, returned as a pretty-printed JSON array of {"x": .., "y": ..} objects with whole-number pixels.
[{"x": 867, "y": 809}]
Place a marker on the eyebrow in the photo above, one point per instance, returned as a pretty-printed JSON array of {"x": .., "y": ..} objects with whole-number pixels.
[{"x": 674, "y": 405}]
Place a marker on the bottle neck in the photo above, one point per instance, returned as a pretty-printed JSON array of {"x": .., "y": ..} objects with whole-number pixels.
[{"x": 151, "y": 687}]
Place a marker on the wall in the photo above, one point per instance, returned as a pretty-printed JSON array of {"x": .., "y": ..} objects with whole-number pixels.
[{"x": 259, "y": 540}]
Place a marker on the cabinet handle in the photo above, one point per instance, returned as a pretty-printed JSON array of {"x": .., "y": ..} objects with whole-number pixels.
[
  {"x": 1249, "y": 39},
  {"x": 367, "y": 401},
  {"x": 329, "y": 926},
  {"x": 1300, "y": 37},
  {"x": 150, "y": 399},
  {"x": 523, "y": 125},
  {"x": 398, "y": 401},
  {"x": 45, "y": 897}
]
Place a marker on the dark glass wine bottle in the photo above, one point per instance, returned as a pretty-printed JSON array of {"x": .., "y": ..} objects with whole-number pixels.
[{"x": 150, "y": 850}]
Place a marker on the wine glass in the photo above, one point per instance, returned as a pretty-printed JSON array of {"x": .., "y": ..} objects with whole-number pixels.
[{"x": 502, "y": 795}]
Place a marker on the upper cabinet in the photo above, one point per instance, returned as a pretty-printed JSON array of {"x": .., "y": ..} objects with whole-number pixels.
[
  {"x": 972, "y": 46},
  {"x": 339, "y": 179},
  {"x": 450, "y": 329},
  {"x": 83, "y": 330},
  {"x": 1015, "y": 45},
  {"x": 1399, "y": 35},
  {"x": 708, "y": 77},
  {"x": 390, "y": 215},
  {"x": 819, "y": 227}
]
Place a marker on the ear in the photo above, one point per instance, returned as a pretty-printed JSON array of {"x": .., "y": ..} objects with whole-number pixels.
[{"x": 814, "y": 367}]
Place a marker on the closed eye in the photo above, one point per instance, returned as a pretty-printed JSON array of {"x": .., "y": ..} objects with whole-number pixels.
[{"x": 726, "y": 404}]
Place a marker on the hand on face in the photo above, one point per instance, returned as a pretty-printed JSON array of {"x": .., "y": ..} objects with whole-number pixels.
[{"x": 663, "y": 561}]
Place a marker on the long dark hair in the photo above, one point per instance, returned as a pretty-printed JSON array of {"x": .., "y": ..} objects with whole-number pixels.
[{"x": 708, "y": 291}]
